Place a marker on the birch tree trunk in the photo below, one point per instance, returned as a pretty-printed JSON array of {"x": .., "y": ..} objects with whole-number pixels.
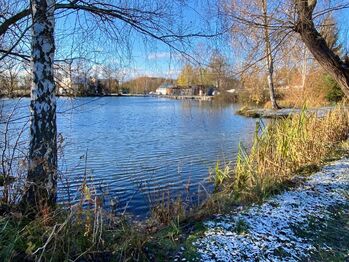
[
  {"x": 304, "y": 68},
  {"x": 269, "y": 56},
  {"x": 42, "y": 175}
]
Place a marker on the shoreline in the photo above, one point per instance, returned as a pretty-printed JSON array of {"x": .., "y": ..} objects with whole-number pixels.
[
  {"x": 282, "y": 227},
  {"x": 196, "y": 98},
  {"x": 281, "y": 113}
]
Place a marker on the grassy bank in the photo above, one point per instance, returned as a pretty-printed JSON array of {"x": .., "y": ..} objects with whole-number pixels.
[
  {"x": 330, "y": 237},
  {"x": 284, "y": 148},
  {"x": 306, "y": 223},
  {"x": 281, "y": 151}
]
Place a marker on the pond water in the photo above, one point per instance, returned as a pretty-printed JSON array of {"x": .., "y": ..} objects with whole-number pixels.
[{"x": 138, "y": 150}]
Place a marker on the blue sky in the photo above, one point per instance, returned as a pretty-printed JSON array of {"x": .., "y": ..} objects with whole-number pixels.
[
  {"x": 135, "y": 56},
  {"x": 342, "y": 18}
]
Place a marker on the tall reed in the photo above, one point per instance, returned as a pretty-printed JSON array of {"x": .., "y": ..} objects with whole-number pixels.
[{"x": 283, "y": 147}]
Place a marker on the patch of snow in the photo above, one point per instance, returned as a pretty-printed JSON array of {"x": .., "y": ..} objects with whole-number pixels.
[{"x": 270, "y": 234}]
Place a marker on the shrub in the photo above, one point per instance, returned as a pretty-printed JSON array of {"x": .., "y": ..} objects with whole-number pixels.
[{"x": 334, "y": 92}]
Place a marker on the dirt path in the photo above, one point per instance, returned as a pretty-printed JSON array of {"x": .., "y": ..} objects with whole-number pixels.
[{"x": 309, "y": 223}]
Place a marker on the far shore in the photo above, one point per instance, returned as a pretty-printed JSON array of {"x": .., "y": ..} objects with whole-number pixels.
[{"x": 193, "y": 97}]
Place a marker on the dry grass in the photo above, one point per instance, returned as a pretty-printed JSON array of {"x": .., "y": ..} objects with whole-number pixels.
[
  {"x": 309, "y": 96},
  {"x": 317, "y": 90},
  {"x": 315, "y": 93},
  {"x": 282, "y": 148},
  {"x": 166, "y": 210},
  {"x": 74, "y": 234}
]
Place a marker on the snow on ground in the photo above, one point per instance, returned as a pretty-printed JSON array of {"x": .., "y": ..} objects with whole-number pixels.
[
  {"x": 267, "y": 232},
  {"x": 270, "y": 113}
]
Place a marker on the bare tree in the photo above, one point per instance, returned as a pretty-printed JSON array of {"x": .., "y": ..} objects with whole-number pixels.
[
  {"x": 9, "y": 77},
  {"x": 302, "y": 17},
  {"x": 253, "y": 31},
  {"x": 147, "y": 18},
  {"x": 218, "y": 69},
  {"x": 269, "y": 60}
]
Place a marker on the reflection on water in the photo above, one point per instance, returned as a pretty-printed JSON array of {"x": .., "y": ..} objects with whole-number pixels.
[{"x": 135, "y": 149}]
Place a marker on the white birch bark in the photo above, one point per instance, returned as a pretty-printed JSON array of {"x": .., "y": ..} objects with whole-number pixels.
[
  {"x": 41, "y": 182},
  {"x": 304, "y": 67},
  {"x": 269, "y": 56}
]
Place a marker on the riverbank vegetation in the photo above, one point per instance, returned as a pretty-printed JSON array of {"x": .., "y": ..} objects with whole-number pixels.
[
  {"x": 282, "y": 153},
  {"x": 319, "y": 90},
  {"x": 284, "y": 148},
  {"x": 143, "y": 85}
]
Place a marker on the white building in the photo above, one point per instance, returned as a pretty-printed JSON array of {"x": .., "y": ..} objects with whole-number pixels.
[{"x": 164, "y": 89}]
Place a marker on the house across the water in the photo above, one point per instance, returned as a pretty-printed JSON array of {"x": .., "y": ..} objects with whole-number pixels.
[
  {"x": 165, "y": 89},
  {"x": 195, "y": 90}
]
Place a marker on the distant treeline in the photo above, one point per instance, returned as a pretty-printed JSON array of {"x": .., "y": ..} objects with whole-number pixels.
[{"x": 144, "y": 84}]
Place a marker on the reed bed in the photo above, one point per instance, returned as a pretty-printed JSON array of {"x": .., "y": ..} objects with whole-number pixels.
[{"x": 282, "y": 148}]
